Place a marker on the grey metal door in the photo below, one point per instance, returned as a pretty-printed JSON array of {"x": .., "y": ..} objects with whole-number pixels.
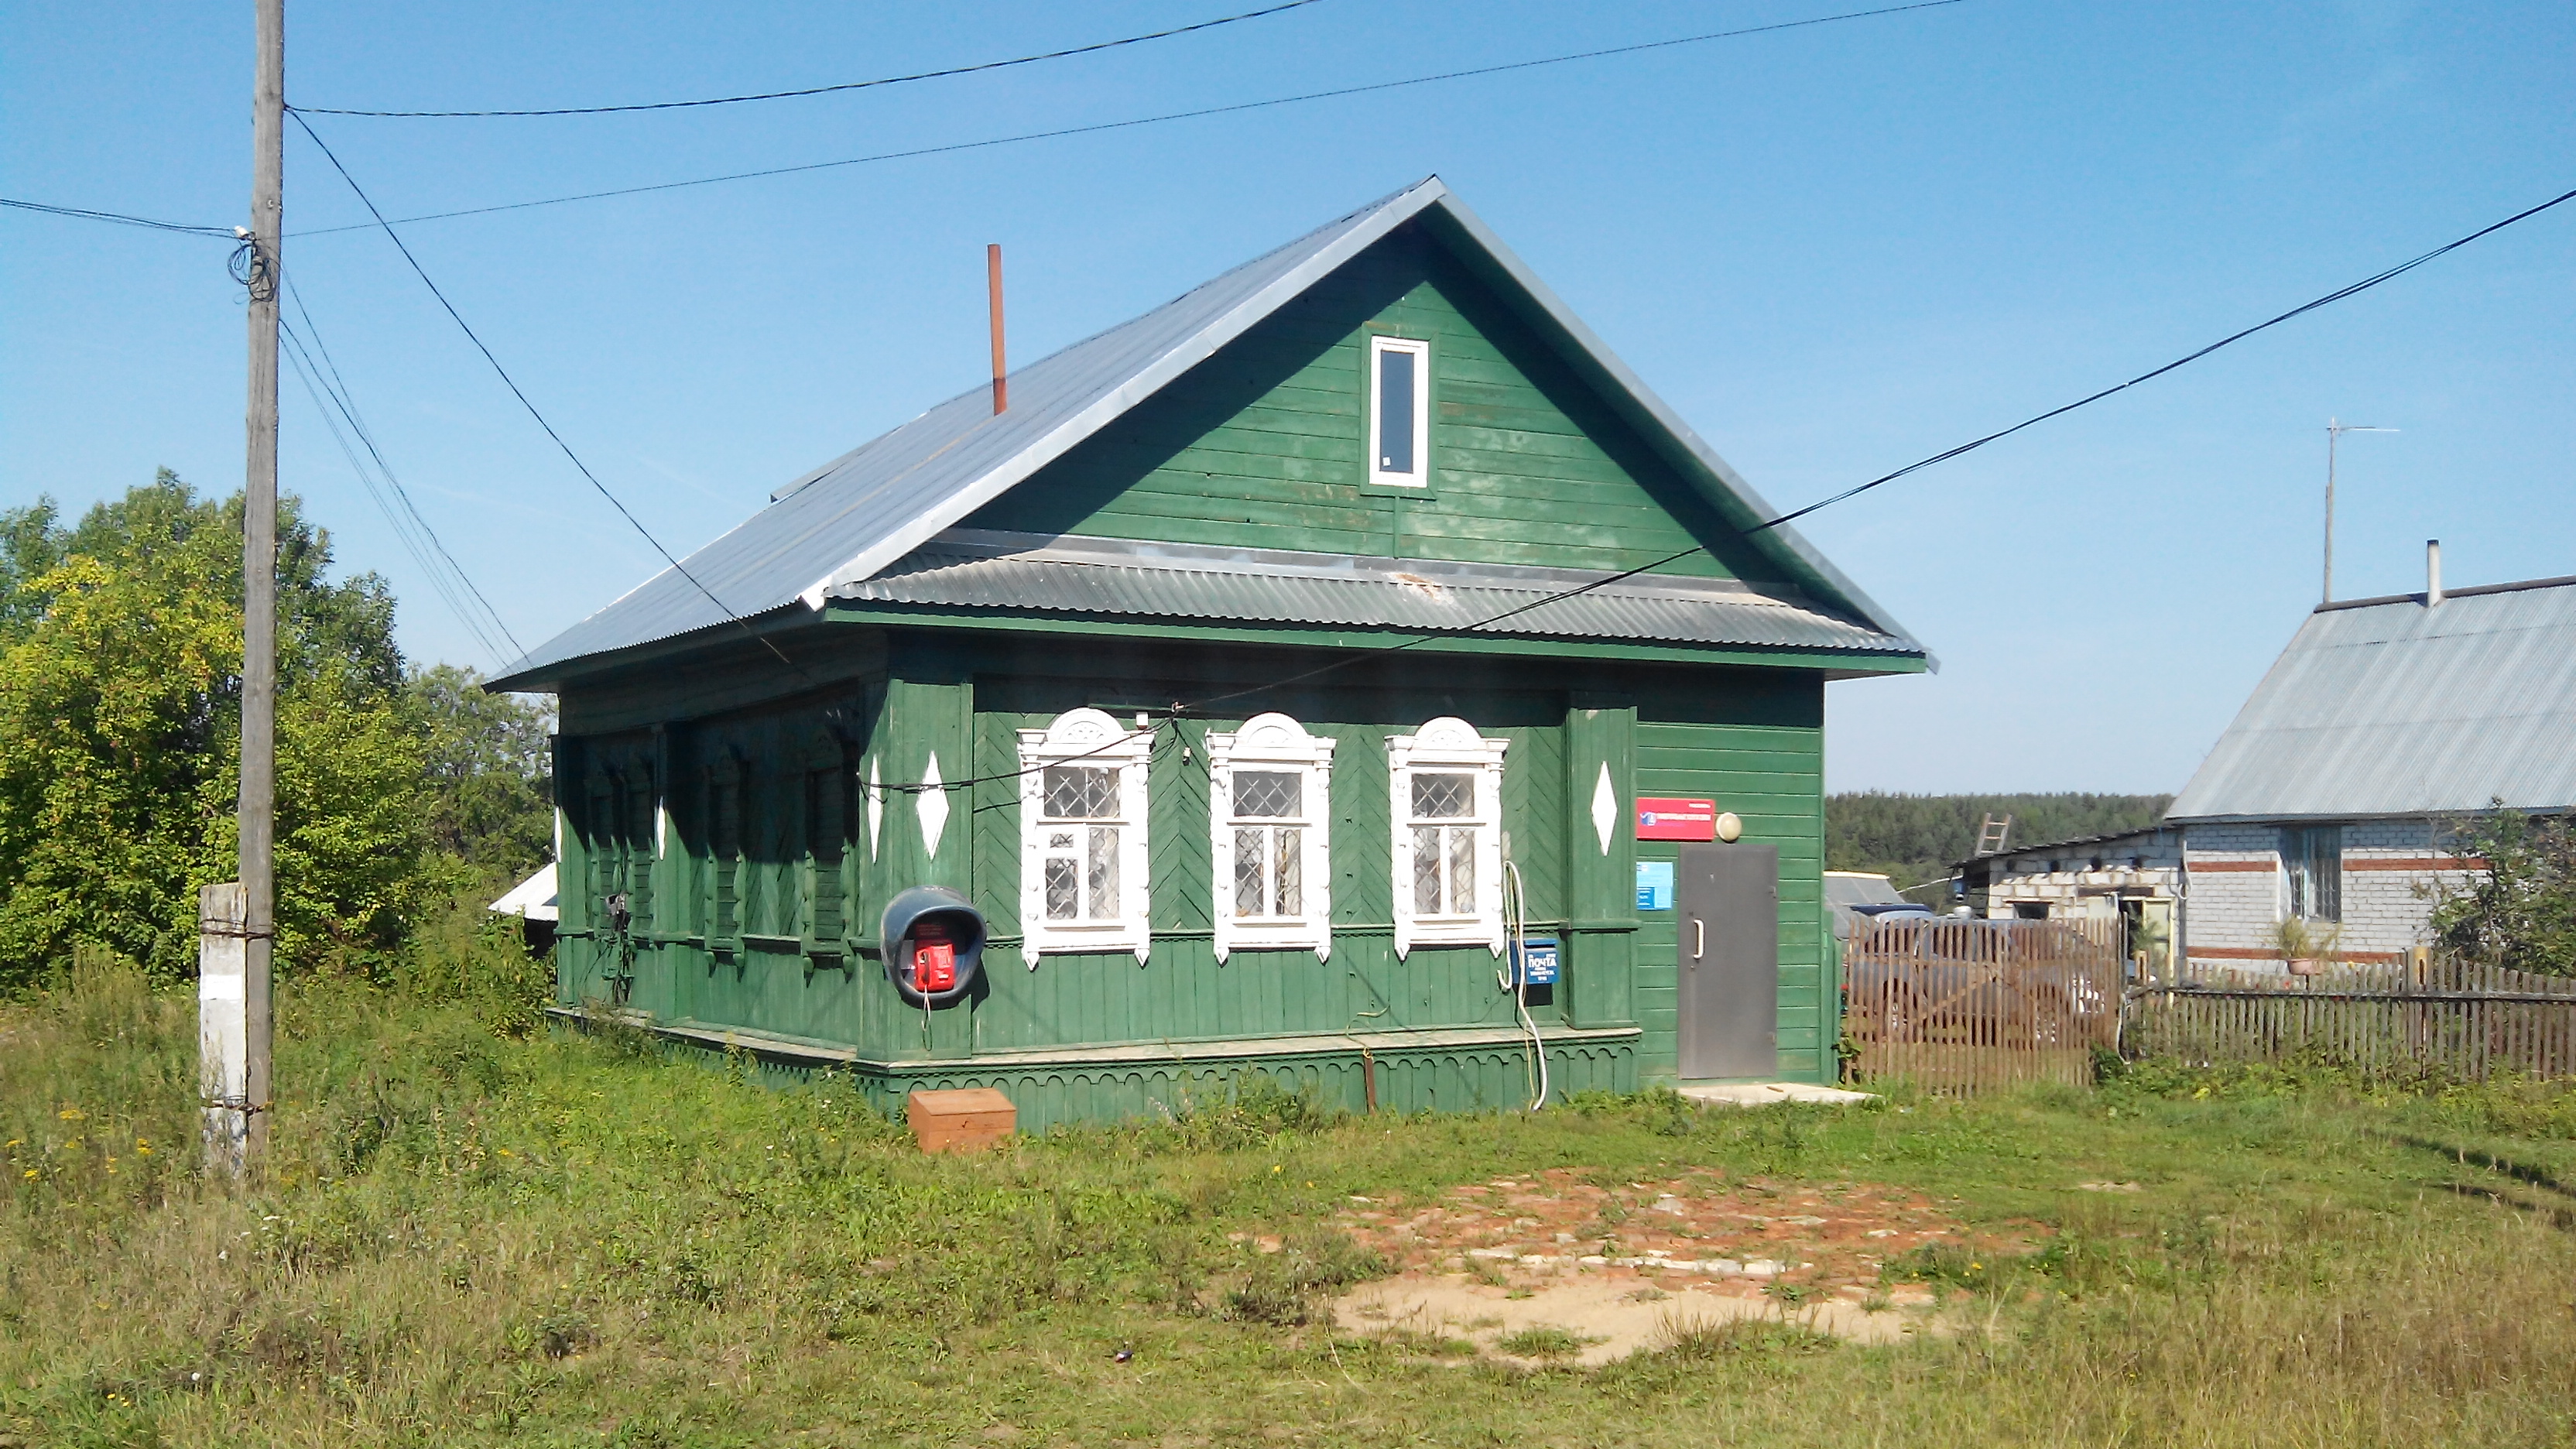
[{"x": 1726, "y": 899}]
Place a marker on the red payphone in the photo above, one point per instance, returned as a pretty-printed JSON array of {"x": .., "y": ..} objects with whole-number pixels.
[
  {"x": 933, "y": 945},
  {"x": 934, "y": 958}
]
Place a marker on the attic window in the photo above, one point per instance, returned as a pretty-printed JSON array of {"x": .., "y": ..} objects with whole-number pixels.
[{"x": 1399, "y": 412}]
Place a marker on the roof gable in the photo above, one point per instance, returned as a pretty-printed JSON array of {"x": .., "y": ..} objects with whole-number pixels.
[
  {"x": 1264, "y": 445},
  {"x": 848, "y": 520},
  {"x": 2387, "y": 707}
]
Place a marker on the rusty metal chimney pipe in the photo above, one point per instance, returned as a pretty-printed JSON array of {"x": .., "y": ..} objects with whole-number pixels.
[{"x": 1001, "y": 369}]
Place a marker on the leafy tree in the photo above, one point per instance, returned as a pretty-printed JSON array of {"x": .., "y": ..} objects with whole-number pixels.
[
  {"x": 489, "y": 767},
  {"x": 2520, "y": 912},
  {"x": 120, "y": 711}
]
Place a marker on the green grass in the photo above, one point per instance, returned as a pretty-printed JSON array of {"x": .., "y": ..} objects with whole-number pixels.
[
  {"x": 1544, "y": 1341},
  {"x": 468, "y": 1238}
]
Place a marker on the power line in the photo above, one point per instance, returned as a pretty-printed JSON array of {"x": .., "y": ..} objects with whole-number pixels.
[
  {"x": 507, "y": 381},
  {"x": 892, "y": 80},
  {"x": 2337, "y": 295},
  {"x": 345, "y": 403},
  {"x": 1100, "y": 126},
  {"x": 79, "y": 213},
  {"x": 308, "y": 373}
]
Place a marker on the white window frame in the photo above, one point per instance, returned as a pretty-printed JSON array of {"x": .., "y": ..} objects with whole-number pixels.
[
  {"x": 1448, "y": 745},
  {"x": 1273, "y": 742},
  {"x": 1084, "y": 737},
  {"x": 1420, "y": 476}
]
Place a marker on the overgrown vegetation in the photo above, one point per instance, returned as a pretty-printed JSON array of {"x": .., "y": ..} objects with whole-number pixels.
[
  {"x": 400, "y": 792},
  {"x": 2521, "y": 913},
  {"x": 1914, "y": 838},
  {"x": 471, "y": 1237}
]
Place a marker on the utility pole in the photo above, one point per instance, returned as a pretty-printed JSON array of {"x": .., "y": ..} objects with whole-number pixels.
[
  {"x": 2334, "y": 434},
  {"x": 258, "y": 806}
]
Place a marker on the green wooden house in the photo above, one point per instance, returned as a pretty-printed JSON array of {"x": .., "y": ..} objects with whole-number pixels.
[{"x": 1118, "y": 665}]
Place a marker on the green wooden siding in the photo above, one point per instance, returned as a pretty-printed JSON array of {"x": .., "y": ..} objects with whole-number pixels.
[
  {"x": 796, "y": 776},
  {"x": 1262, "y": 445},
  {"x": 1773, "y": 777},
  {"x": 1419, "y": 1077},
  {"x": 1182, "y": 991}
]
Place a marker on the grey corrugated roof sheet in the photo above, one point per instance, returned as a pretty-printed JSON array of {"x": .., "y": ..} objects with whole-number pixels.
[
  {"x": 848, "y": 519},
  {"x": 2387, "y": 707},
  {"x": 974, "y": 568}
]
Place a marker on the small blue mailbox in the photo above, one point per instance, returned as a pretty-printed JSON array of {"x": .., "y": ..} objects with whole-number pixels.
[{"x": 1534, "y": 961}]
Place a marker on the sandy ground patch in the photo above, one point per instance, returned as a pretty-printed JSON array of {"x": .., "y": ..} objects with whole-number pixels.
[
  {"x": 1611, "y": 1318},
  {"x": 1626, "y": 1263}
]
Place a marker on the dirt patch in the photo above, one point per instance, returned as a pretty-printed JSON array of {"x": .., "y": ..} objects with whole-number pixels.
[
  {"x": 1597, "y": 1319},
  {"x": 1621, "y": 1264}
]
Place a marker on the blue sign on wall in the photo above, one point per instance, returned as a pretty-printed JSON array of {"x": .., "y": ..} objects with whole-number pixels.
[{"x": 1654, "y": 885}]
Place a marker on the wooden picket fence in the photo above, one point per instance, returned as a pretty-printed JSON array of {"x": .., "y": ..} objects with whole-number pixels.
[
  {"x": 1961, "y": 1006},
  {"x": 2439, "y": 1016}
]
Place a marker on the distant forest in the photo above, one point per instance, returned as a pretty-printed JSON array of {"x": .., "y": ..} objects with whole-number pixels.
[{"x": 1914, "y": 838}]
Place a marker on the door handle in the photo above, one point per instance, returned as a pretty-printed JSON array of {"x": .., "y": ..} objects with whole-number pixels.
[{"x": 1699, "y": 942}]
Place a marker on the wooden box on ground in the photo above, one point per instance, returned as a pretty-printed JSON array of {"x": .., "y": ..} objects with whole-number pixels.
[{"x": 964, "y": 1120}]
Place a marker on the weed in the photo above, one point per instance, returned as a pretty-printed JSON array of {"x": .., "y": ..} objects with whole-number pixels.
[
  {"x": 1432, "y": 1345},
  {"x": 1282, "y": 1287},
  {"x": 1544, "y": 1341}
]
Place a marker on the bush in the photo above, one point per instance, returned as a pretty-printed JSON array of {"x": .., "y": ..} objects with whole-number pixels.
[{"x": 2521, "y": 912}]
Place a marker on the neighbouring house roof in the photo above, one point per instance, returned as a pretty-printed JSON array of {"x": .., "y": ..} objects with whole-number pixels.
[
  {"x": 533, "y": 898},
  {"x": 983, "y": 569},
  {"x": 847, "y": 521},
  {"x": 2386, "y": 707},
  {"x": 2047, "y": 847}
]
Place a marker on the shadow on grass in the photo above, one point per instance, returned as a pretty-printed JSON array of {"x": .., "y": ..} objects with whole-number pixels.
[
  {"x": 2521, "y": 1172},
  {"x": 2564, "y": 1219}
]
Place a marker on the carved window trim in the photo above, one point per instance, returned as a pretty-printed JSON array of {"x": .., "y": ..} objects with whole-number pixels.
[
  {"x": 1273, "y": 742},
  {"x": 1448, "y": 745},
  {"x": 1090, "y": 738}
]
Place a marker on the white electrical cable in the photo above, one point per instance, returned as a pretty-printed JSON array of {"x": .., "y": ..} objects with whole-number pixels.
[{"x": 1516, "y": 925}]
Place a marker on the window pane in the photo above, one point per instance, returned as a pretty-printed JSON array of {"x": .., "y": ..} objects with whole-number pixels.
[
  {"x": 1081, "y": 792},
  {"x": 1462, "y": 870},
  {"x": 2325, "y": 872},
  {"x": 1249, "y": 867},
  {"x": 1426, "y": 870},
  {"x": 1443, "y": 796},
  {"x": 1271, "y": 794},
  {"x": 1104, "y": 872},
  {"x": 1292, "y": 871},
  {"x": 1395, "y": 411},
  {"x": 1063, "y": 889}
]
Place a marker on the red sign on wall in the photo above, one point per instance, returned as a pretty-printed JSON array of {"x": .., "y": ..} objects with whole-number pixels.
[{"x": 1663, "y": 818}]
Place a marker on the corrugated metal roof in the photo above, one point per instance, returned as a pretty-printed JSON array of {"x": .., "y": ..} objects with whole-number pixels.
[
  {"x": 973, "y": 568},
  {"x": 851, "y": 517},
  {"x": 2393, "y": 708}
]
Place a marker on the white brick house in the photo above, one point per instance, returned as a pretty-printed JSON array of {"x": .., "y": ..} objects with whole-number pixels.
[{"x": 2336, "y": 793}]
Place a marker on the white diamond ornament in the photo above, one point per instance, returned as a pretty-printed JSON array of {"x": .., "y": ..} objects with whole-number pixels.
[
  {"x": 932, "y": 805},
  {"x": 1605, "y": 808},
  {"x": 876, "y": 807}
]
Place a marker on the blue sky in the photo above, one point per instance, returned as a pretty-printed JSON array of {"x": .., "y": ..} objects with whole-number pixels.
[{"x": 1834, "y": 250}]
